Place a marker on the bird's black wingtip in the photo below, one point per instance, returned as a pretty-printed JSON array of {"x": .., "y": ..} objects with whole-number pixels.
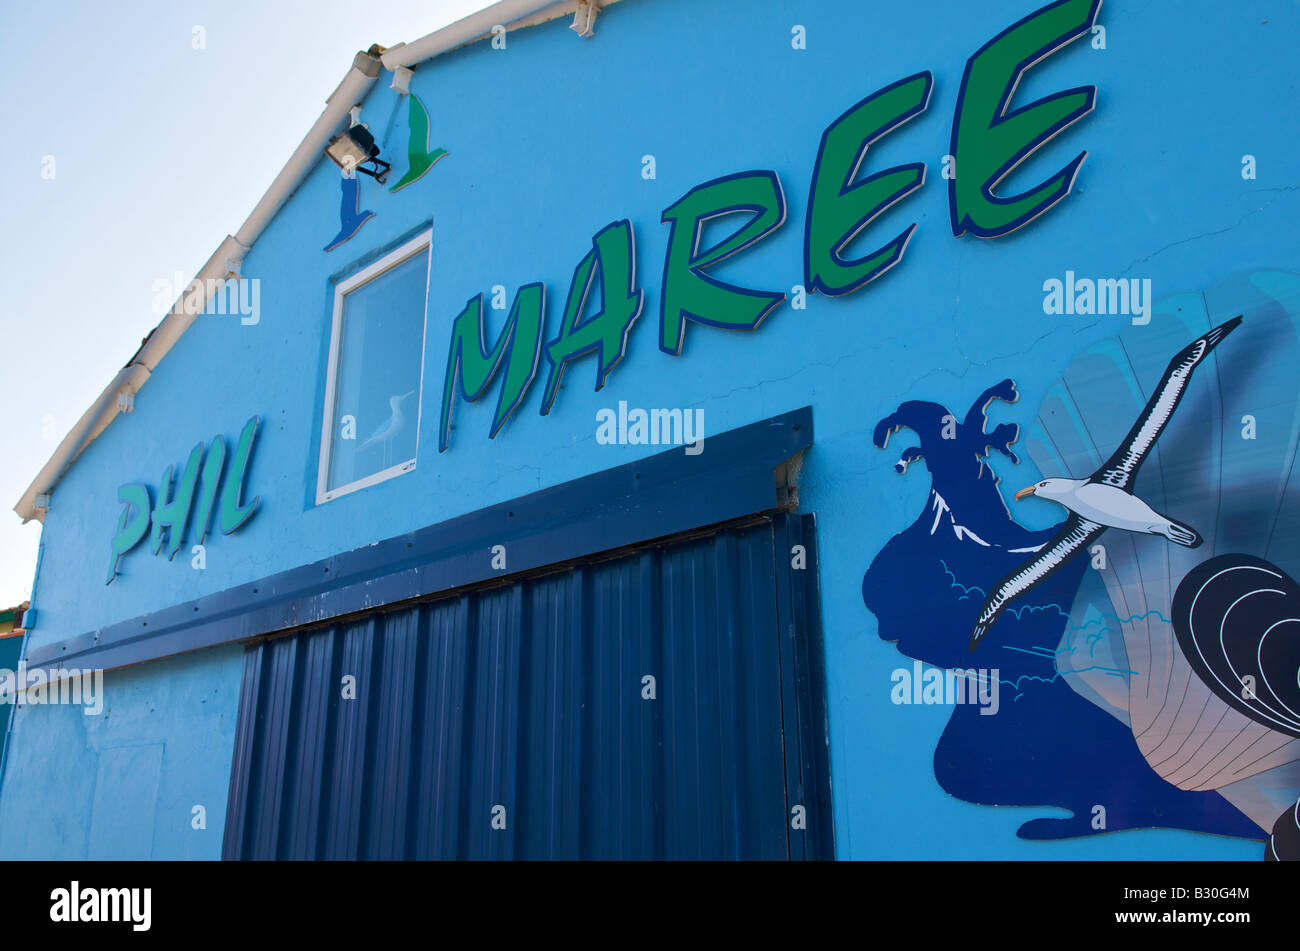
[
  {"x": 1225, "y": 328},
  {"x": 976, "y": 636}
]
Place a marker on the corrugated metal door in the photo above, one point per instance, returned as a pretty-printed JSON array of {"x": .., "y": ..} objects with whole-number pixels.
[{"x": 518, "y": 720}]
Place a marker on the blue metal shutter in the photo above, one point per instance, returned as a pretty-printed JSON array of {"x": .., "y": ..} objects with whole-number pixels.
[{"x": 521, "y": 700}]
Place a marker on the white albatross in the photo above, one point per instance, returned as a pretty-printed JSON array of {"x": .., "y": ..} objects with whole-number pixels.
[{"x": 1105, "y": 499}]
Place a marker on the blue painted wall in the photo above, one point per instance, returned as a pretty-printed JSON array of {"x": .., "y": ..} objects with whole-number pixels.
[
  {"x": 124, "y": 784},
  {"x": 546, "y": 140}
]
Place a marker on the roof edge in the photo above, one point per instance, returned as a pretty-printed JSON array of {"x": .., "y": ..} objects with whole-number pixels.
[{"x": 225, "y": 261}]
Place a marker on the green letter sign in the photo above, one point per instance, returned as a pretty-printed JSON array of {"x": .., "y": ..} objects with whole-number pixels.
[
  {"x": 840, "y": 207},
  {"x": 519, "y": 347},
  {"x": 988, "y": 142},
  {"x": 688, "y": 293},
  {"x": 620, "y": 305},
  {"x": 170, "y": 517},
  {"x": 131, "y": 530}
]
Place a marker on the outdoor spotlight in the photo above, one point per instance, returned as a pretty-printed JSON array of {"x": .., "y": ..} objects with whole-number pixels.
[{"x": 356, "y": 147}]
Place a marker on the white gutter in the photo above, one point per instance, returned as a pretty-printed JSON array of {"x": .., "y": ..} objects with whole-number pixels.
[
  {"x": 511, "y": 14},
  {"x": 350, "y": 92},
  {"x": 119, "y": 395}
]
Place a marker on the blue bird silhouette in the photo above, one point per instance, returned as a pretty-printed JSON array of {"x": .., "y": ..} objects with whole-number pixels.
[{"x": 350, "y": 218}]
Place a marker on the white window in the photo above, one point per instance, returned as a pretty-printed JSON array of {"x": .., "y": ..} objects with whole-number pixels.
[{"x": 372, "y": 389}]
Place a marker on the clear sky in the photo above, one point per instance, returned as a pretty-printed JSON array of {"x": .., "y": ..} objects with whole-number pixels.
[{"x": 158, "y": 151}]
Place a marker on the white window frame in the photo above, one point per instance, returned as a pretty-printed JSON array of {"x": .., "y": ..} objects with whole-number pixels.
[{"x": 421, "y": 243}]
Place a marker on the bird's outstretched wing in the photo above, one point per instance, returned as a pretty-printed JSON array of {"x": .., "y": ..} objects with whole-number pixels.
[
  {"x": 1121, "y": 468},
  {"x": 1075, "y": 535}
]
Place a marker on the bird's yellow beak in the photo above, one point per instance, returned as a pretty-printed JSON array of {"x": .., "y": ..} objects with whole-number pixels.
[{"x": 1025, "y": 493}]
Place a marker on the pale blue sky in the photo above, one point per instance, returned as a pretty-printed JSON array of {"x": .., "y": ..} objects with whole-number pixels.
[{"x": 160, "y": 150}]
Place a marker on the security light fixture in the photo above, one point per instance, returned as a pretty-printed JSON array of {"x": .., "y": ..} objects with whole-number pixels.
[{"x": 356, "y": 147}]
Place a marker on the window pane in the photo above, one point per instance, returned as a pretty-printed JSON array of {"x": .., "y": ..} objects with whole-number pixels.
[{"x": 378, "y": 376}]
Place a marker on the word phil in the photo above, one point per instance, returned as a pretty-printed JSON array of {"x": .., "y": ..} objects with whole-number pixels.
[
  {"x": 934, "y": 686},
  {"x": 639, "y": 427},
  {"x": 991, "y": 137},
  {"x": 170, "y": 518}
]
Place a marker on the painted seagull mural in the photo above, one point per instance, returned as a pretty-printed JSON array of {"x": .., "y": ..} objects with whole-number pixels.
[
  {"x": 1049, "y": 744},
  {"x": 1105, "y": 499}
]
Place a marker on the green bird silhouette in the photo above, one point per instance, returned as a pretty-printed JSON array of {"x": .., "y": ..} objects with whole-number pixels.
[{"x": 417, "y": 146}]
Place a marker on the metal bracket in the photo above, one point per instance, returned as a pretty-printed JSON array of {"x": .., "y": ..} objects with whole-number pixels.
[
  {"x": 126, "y": 402},
  {"x": 402, "y": 79},
  {"x": 788, "y": 475},
  {"x": 584, "y": 18}
]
